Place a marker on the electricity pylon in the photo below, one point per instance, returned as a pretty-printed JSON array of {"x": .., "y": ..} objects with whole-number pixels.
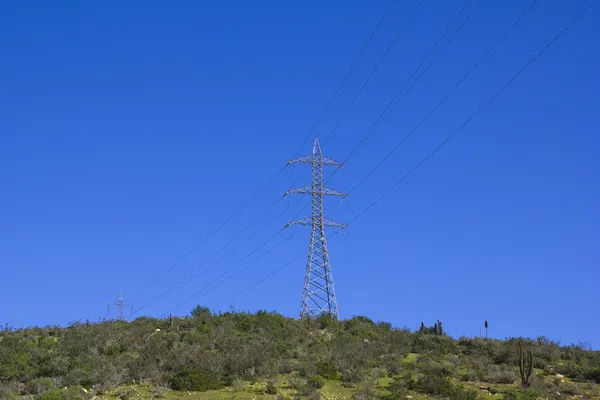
[
  {"x": 121, "y": 303},
  {"x": 318, "y": 295}
]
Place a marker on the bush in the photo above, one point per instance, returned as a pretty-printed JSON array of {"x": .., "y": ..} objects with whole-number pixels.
[
  {"x": 367, "y": 392},
  {"x": 297, "y": 383},
  {"x": 398, "y": 391},
  {"x": 435, "y": 344},
  {"x": 287, "y": 367},
  {"x": 126, "y": 393},
  {"x": 469, "y": 376},
  {"x": 72, "y": 393},
  {"x": 570, "y": 389},
  {"x": 351, "y": 376},
  {"x": 160, "y": 392},
  {"x": 328, "y": 371},
  {"x": 38, "y": 386},
  {"x": 501, "y": 377},
  {"x": 316, "y": 381},
  {"x": 306, "y": 368},
  {"x": 377, "y": 373},
  {"x": 270, "y": 388},
  {"x": 593, "y": 375},
  {"x": 195, "y": 379},
  {"x": 434, "y": 384},
  {"x": 521, "y": 395},
  {"x": 103, "y": 388},
  {"x": 201, "y": 313},
  {"x": 10, "y": 389},
  {"x": 441, "y": 386},
  {"x": 304, "y": 389}
]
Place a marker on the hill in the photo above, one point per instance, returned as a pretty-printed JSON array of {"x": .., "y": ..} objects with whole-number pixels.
[{"x": 265, "y": 355}]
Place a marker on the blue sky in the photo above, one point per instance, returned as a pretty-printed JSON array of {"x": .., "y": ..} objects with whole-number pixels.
[{"x": 130, "y": 131}]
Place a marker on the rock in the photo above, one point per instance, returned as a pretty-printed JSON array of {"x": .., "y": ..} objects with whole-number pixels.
[
  {"x": 157, "y": 330},
  {"x": 560, "y": 376},
  {"x": 408, "y": 396}
]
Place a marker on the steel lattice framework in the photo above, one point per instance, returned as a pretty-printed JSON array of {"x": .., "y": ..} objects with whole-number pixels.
[{"x": 318, "y": 295}]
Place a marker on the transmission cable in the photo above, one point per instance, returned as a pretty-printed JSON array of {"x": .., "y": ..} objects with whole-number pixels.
[
  {"x": 448, "y": 94},
  {"x": 382, "y": 59},
  {"x": 435, "y": 150},
  {"x": 395, "y": 100},
  {"x": 443, "y": 100},
  {"x": 414, "y": 10},
  {"x": 190, "y": 277},
  {"x": 249, "y": 200}
]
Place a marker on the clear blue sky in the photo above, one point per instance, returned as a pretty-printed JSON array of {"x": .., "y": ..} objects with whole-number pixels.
[{"x": 129, "y": 131}]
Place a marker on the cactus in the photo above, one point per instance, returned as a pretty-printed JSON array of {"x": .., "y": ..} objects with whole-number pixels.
[{"x": 525, "y": 366}]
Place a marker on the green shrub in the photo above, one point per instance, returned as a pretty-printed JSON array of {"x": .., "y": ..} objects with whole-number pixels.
[
  {"x": 434, "y": 384},
  {"x": 297, "y": 382},
  {"x": 72, "y": 393},
  {"x": 195, "y": 379},
  {"x": 126, "y": 393},
  {"x": 327, "y": 370},
  {"x": 397, "y": 391},
  {"x": 501, "y": 377},
  {"x": 316, "y": 381},
  {"x": 10, "y": 390},
  {"x": 366, "y": 392},
  {"x": 202, "y": 313},
  {"x": 593, "y": 375},
  {"x": 441, "y": 386},
  {"x": 38, "y": 386},
  {"x": 287, "y": 366},
  {"x": 159, "y": 392},
  {"x": 351, "y": 377},
  {"x": 270, "y": 388},
  {"x": 326, "y": 320},
  {"x": 521, "y": 395},
  {"x": 570, "y": 389}
]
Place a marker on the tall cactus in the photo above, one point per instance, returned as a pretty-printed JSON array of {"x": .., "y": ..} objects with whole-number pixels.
[{"x": 525, "y": 365}]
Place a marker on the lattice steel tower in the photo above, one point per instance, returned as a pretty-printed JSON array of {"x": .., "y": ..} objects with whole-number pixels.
[{"x": 318, "y": 295}]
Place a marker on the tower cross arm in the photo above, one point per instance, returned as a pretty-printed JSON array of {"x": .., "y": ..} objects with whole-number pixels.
[
  {"x": 326, "y": 191},
  {"x": 324, "y": 160},
  {"x": 327, "y": 223},
  {"x": 301, "y": 160},
  {"x": 329, "y": 161}
]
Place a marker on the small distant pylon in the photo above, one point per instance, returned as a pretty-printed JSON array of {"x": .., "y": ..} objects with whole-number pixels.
[
  {"x": 318, "y": 294},
  {"x": 121, "y": 303}
]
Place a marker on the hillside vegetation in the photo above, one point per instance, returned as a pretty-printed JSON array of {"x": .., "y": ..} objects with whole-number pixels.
[{"x": 265, "y": 355}]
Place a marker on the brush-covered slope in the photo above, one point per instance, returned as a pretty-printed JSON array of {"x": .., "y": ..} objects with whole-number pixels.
[{"x": 265, "y": 355}]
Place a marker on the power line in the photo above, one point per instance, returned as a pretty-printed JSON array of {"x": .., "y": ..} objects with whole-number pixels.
[
  {"x": 387, "y": 10},
  {"x": 204, "y": 290},
  {"x": 443, "y": 100},
  {"x": 162, "y": 275},
  {"x": 414, "y": 10},
  {"x": 358, "y": 94},
  {"x": 395, "y": 100},
  {"x": 422, "y": 62},
  {"x": 391, "y": 104},
  {"x": 190, "y": 276},
  {"x": 437, "y": 148}
]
